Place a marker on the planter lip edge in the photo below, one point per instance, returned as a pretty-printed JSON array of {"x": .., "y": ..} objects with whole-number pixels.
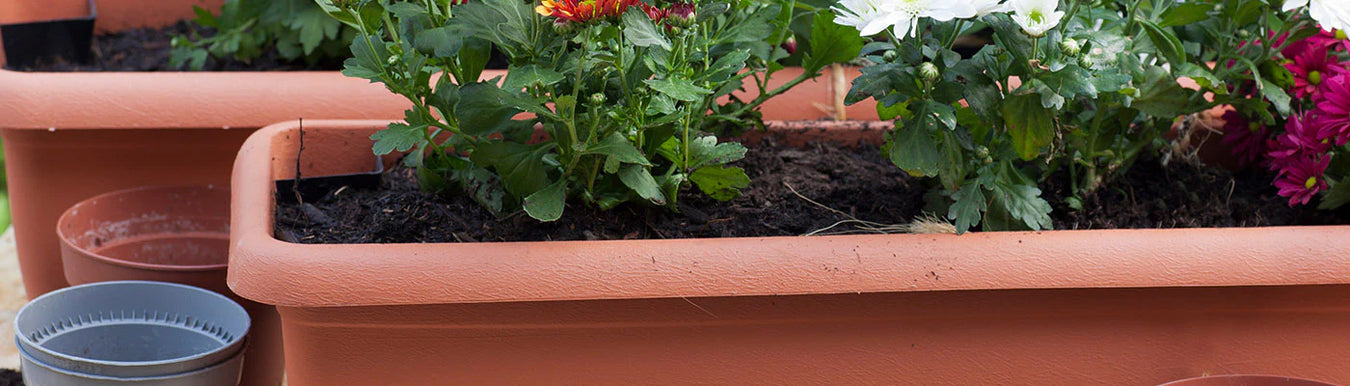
[
  {"x": 140, "y": 95},
  {"x": 265, "y": 269},
  {"x": 91, "y": 16},
  {"x": 65, "y": 241},
  {"x": 155, "y": 100}
]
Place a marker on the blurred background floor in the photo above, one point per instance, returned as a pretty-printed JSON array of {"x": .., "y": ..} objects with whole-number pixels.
[{"x": 11, "y": 298}]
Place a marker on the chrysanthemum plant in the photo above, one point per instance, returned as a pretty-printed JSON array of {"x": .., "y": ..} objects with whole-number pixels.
[
  {"x": 1285, "y": 70},
  {"x": 621, "y": 89},
  {"x": 1076, "y": 88}
]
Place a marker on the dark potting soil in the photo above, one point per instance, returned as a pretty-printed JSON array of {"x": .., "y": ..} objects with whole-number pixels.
[
  {"x": 10, "y": 378},
  {"x": 855, "y": 180},
  {"x": 147, "y": 49}
]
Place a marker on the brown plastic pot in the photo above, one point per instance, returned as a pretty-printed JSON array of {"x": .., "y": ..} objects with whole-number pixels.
[
  {"x": 1057, "y": 307},
  {"x": 131, "y": 129},
  {"x": 177, "y": 234}
]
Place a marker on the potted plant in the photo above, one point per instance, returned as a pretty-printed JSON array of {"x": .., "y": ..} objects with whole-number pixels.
[
  {"x": 1133, "y": 306},
  {"x": 178, "y": 128}
]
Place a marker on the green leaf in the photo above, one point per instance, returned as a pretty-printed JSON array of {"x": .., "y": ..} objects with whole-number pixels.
[
  {"x": 398, "y": 137},
  {"x": 619, "y": 148},
  {"x": 204, "y": 17},
  {"x": 1186, "y": 13},
  {"x": 547, "y": 204},
  {"x": 1204, "y": 77},
  {"x": 720, "y": 182},
  {"x": 967, "y": 207},
  {"x": 521, "y": 166},
  {"x": 726, "y": 66},
  {"x": 483, "y": 107},
  {"x": 519, "y": 77},
  {"x": 1070, "y": 82},
  {"x": 755, "y": 28},
  {"x": 679, "y": 89},
  {"x": 1159, "y": 94},
  {"x": 368, "y": 56},
  {"x": 1023, "y": 202},
  {"x": 705, "y": 151},
  {"x": 913, "y": 150},
  {"x": 638, "y": 178},
  {"x": 894, "y": 111},
  {"x": 442, "y": 42},
  {"x": 1275, "y": 95},
  {"x": 639, "y": 30},
  {"x": 510, "y": 24},
  {"x": 1167, "y": 43},
  {"x": 1030, "y": 124},
  {"x": 830, "y": 43},
  {"x": 1338, "y": 196}
]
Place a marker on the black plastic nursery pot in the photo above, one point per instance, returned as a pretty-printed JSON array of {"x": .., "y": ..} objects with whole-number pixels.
[{"x": 61, "y": 40}]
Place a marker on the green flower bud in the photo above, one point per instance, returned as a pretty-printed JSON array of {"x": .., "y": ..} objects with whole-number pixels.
[
  {"x": 1070, "y": 47},
  {"x": 598, "y": 98},
  {"x": 890, "y": 55},
  {"x": 1085, "y": 62},
  {"x": 929, "y": 71}
]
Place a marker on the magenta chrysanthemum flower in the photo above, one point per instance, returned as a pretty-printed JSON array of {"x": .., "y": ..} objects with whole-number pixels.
[
  {"x": 1333, "y": 110},
  {"x": 1335, "y": 41},
  {"x": 1303, "y": 178},
  {"x": 1302, "y": 138},
  {"x": 1311, "y": 67},
  {"x": 1246, "y": 139}
]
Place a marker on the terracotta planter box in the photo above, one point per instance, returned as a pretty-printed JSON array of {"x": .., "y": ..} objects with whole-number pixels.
[
  {"x": 118, "y": 130},
  {"x": 1056, "y": 307}
]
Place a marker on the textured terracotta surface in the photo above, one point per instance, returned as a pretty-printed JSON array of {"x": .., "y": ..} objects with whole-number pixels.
[
  {"x": 1246, "y": 380},
  {"x": 177, "y": 234},
  {"x": 1060, "y": 307},
  {"x": 113, "y": 15}
]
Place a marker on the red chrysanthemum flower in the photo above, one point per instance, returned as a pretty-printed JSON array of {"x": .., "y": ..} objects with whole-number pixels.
[
  {"x": 1333, "y": 110},
  {"x": 1246, "y": 139},
  {"x": 1311, "y": 67},
  {"x": 1303, "y": 178},
  {"x": 1303, "y": 137},
  {"x": 583, "y": 11}
]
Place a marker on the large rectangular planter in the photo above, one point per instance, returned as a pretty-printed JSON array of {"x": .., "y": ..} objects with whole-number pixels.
[
  {"x": 70, "y": 136},
  {"x": 1056, "y": 307}
]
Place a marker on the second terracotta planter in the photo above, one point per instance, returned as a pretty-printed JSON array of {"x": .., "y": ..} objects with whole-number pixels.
[
  {"x": 1055, "y": 307},
  {"x": 176, "y": 234}
]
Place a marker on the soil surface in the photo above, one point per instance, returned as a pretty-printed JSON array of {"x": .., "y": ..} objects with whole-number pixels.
[
  {"x": 10, "y": 378},
  {"x": 854, "y": 180},
  {"x": 147, "y": 49}
]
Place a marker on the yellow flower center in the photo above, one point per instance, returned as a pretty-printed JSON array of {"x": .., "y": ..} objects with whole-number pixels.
[
  {"x": 1315, "y": 77},
  {"x": 1340, "y": 35},
  {"x": 1312, "y": 181}
]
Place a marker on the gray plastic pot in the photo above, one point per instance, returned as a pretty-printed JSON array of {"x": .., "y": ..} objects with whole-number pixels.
[{"x": 125, "y": 332}]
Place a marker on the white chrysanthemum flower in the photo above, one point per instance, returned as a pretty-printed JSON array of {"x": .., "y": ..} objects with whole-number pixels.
[
  {"x": 1331, "y": 14},
  {"x": 1036, "y": 16},
  {"x": 871, "y": 17},
  {"x": 985, "y": 7},
  {"x": 939, "y": 10}
]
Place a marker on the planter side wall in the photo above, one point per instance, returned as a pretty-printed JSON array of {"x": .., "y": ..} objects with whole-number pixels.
[
  {"x": 1072, "y": 336},
  {"x": 52, "y": 170}
]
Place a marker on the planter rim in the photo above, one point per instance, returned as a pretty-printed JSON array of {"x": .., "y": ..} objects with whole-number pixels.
[
  {"x": 61, "y": 233},
  {"x": 267, "y": 270},
  {"x": 175, "y": 100},
  {"x": 91, "y": 13}
]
